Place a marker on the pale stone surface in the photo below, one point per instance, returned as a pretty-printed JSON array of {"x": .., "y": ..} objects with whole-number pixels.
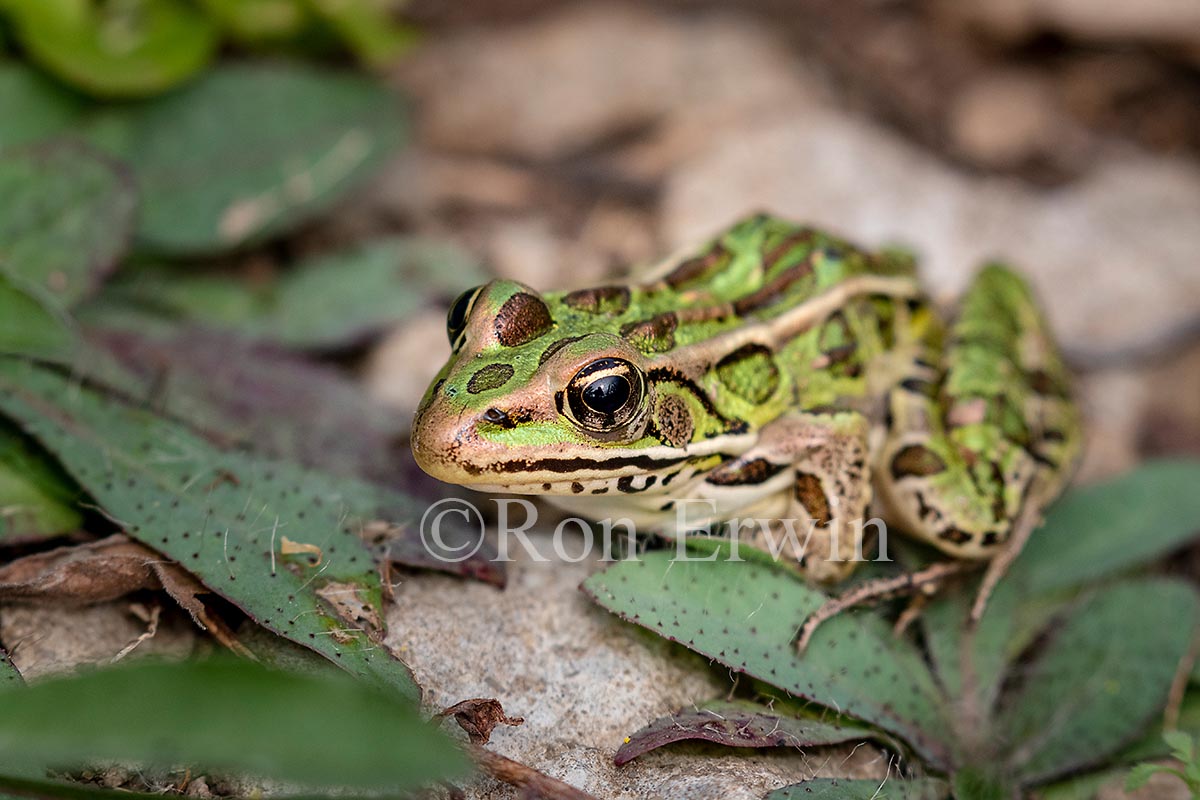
[
  {"x": 48, "y": 639},
  {"x": 583, "y": 680},
  {"x": 1113, "y": 256}
]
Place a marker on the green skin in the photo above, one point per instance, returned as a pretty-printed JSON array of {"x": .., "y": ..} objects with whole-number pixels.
[{"x": 778, "y": 372}]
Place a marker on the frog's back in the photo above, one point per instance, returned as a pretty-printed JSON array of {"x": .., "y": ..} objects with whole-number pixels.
[{"x": 731, "y": 316}]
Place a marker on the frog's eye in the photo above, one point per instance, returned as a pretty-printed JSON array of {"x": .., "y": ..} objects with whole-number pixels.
[
  {"x": 605, "y": 395},
  {"x": 460, "y": 312}
]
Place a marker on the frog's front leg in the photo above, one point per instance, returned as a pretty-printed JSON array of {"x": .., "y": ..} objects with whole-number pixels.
[{"x": 815, "y": 470}]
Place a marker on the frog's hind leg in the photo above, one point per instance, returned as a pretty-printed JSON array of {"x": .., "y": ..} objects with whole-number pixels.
[
  {"x": 978, "y": 442},
  {"x": 972, "y": 459}
]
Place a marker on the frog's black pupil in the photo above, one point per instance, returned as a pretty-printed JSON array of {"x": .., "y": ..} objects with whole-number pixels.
[
  {"x": 456, "y": 319},
  {"x": 608, "y": 394}
]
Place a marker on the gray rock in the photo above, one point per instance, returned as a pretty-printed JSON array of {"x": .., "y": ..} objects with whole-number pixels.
[{"x": 583, "y": 680}]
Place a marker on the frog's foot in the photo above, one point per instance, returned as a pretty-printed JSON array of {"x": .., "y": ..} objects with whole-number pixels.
[{"x": 875, "y": 590}]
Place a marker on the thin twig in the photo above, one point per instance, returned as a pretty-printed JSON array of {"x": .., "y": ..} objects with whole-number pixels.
[
  {"x": 535, "y": 784},
  {"x": 872, "y": 590}
]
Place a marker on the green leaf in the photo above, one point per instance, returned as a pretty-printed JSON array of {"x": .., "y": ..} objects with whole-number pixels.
[
  {"x": 222, "y": 515},
  {"x": 1141, "y": 774},
  {"x": 324, "y": 302},
  {"x": 133, "y": 48},
  {"x": 250, "y": 151},
  {"x": 34, "y": 106},
  {"x": 261, "y": 398},
  {"x": 1100, "y": 680},
  {"x": 982, "y": 784},
  {"x": 1084, "y": 787},
  {"x": 257, "y": 22},
  {"x": 322, "y": 730},
  {"x": 745, "y": 614},
  {"x": 36, "y": 498},
  {"x": 1181, "y": 745},
  {"x": 368, "y": 28},
  {"x": 1090, "y": 534},
  {"x": 849, "y": 789},
  {"x": 1101, "y": 530},
  {"x": 739, "y": 724},
  {"x": 66, "y": 216},
  {"x": 30, "y": 324}
]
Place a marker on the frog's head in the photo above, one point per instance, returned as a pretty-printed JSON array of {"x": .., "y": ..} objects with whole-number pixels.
[{"x": 528, "y": 403}]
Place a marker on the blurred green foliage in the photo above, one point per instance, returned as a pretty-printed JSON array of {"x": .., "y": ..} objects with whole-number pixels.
[
  {"x": 140, "y": 48},
  {"x": 318, "y": 730}
]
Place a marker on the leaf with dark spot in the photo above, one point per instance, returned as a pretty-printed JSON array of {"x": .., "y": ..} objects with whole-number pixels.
[
  {"x": 1100, "y": 679},
  {"x": 745, "y": 615},
  {"x": 739, "y": 724},
  {"x": 218, "y": 513},
  {"x": 274, "y": 403},
  {"x": 849, "y": 789}
]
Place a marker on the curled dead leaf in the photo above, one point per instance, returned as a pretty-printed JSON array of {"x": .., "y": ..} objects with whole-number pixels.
[{"x": 479, "y": 717}]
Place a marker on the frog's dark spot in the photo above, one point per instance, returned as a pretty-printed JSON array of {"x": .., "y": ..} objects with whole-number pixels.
[
  {"x": 841, "y": 353},
  {"x": 599, "y": 300},
  {"x": 744, "y": 473},
  {"x": 625, "y": 484},
  {"x": 698, "y": 268},
  {"x": 810, "y": 495},
  {"x": 1046, "y": 384},
  {"x": 576, "y": 487},
  {"x": 791, "y": 242},
  {"x": 991, "y": 539},
  {"x": 654, "y": 335},
  {"x": 918, "y": 386},
  {"x": 600, "y": 490},
  {"x": 954, "y": 535},
  {"x": 674, "y": 420},
  {"x": 916, "y": 460},
  {"x": 547, "y": 487},
  {"x": 773, "y": 291},
  {"x": 750, "y": 373},
  {"x": 493, "y": 376},
  {"x": 521, "y": 319}
]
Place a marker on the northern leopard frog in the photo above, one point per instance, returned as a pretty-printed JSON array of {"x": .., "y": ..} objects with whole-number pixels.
[{"x": 778, "y": 372}]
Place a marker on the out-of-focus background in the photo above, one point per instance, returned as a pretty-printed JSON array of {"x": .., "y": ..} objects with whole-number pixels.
[
  {"x": 564, "y": 144},
  {"x": 568, "y": 141}
]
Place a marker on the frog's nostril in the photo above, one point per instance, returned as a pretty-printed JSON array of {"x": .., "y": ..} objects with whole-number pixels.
[{"x": 498, "y": 417}]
